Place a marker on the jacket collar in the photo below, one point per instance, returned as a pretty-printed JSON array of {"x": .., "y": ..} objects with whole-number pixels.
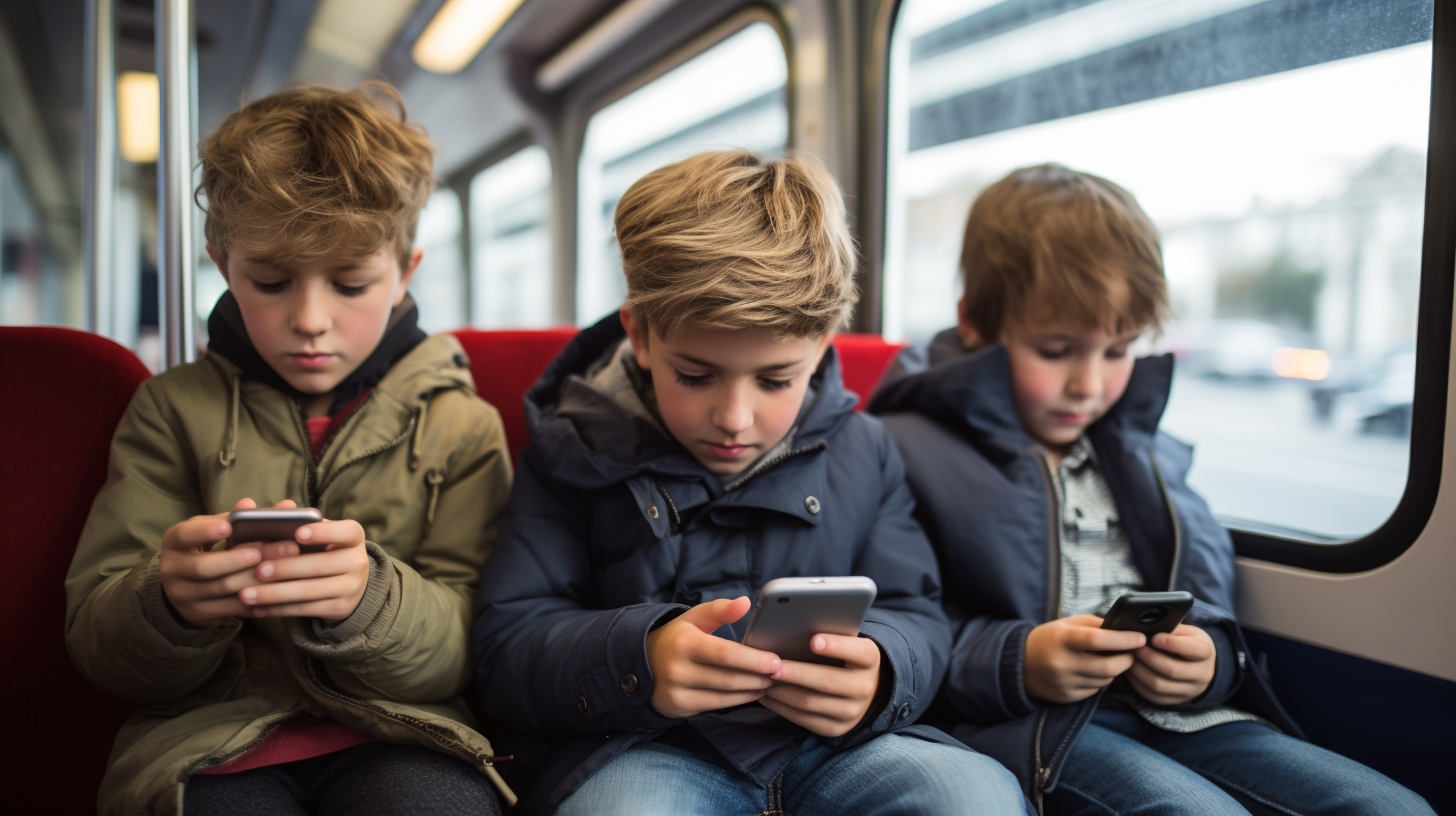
[
  {"x": 229, "y": 337},
  {"x": 593, "y": 441},
  {"x": 971, "y": 391}
]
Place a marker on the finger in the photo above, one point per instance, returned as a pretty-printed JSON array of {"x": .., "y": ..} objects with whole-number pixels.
[
  {"x": 1166, "y": 665},
  {"x": 1194, "y": 645},
  {"x": 245, "y": 504},
  {"x": 713, "y": 678},
  {"x": 208, "y": 566},
  {"x": 313, "y": 565},
  {"x": 303, "y": 591},
  {"x": 1103, "y": 640},
  {"x": 1157, "y": 689},
  {"x": 853, "y": 683},
  {"x": 331, "y": 534},
  {"x": 286, "y": 504},
  {"x": 196, "y": 533},
  {"x": 1085, "y": 621},
  {"x": 811, "y": 701},
  {"x": 279, "y": 549},
  {"x": 711, "y": 616},
  {"x": 227, "y": 586},
  {"x": 818, "y": 723},
  {"x": 716, "y": 651},
  {"x": 855, "y": 651},
  {"x": 1103, "y": 668}
]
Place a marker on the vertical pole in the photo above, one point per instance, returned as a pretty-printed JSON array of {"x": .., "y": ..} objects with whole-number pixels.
[
  {"x": 98, "y": 205},
  {"x": 176, "y": 253}
]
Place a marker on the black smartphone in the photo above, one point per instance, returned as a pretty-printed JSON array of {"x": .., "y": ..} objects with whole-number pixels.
[
  {"x": 272, "y": 525},
  {"x": 790, "y": 611},
  {"x": 1148, "y": 612}
]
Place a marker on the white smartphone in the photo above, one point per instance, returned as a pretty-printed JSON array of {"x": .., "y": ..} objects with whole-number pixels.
[{"x": 790, "y": 611}]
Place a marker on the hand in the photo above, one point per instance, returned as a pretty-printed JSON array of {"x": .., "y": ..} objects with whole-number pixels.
[
  {"x": 828, "y": 700},
  {"x": 696, "y": 672},
  {"x": 203, "y": 586},
  {"x": 1061, "y": 664},
  {"x": 1177, "y": 667},
  {"x": 326, "y": 585}
]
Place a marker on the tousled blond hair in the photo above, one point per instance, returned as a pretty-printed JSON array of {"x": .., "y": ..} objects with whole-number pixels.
[
  {"x": 1047, "y": 241},
  {"x": 731, "y": 240},
  {"x": 312, "y": 171}
]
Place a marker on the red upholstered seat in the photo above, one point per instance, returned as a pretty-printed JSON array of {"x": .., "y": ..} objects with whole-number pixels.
[
  {"x": 61, "y": 395},
  {"x": 862, "y": 359},
  {"x": 506, "y": 364}
]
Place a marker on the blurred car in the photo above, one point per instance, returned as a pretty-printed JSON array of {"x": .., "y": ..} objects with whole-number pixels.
[
  {"x": 1375, "y": 398},
  {"x": 1231, "y": 349}
]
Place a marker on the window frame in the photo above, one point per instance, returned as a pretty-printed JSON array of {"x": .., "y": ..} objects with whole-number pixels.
[{"x": 1433, "y": 321}]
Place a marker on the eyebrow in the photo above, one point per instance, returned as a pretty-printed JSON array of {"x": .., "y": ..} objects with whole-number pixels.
[{"x": 705, "y": 364}]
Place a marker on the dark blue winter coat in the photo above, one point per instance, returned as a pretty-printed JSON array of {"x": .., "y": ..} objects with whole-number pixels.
[
  {"x": 614, "y": 528},
  {"x": 983, "y": 494}
]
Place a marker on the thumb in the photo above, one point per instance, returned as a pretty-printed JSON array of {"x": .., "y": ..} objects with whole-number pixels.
[{"x": 713, "y": 614}]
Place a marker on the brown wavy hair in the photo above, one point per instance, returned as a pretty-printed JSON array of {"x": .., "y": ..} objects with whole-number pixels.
[
  {"x": 732, "y": 240},
  {"x": 312, "y": 171},
  {"x": 1049, "y": 241}
]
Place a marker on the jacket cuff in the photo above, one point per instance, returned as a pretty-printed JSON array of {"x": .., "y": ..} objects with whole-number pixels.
[
  {"x": 1013, "y": 672},
  {"x": 902, "y": 703},
  {"x": 160, "y": 629},
  {"x": 617, "y": 692},
  {"x": 331, "y": 641}
]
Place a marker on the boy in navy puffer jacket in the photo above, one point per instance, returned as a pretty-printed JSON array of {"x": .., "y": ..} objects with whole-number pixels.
[
  {"x": 1031, "y": 443},
  {"x": 685, "y": 452}
]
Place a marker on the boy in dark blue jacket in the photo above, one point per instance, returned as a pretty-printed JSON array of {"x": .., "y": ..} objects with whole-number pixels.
[
  {"x": 685, "y": 452},
  {"x": 1031, "y": 443}
]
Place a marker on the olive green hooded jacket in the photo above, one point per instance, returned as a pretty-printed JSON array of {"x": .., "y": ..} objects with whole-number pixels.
[{"x": 422, "y": 464}]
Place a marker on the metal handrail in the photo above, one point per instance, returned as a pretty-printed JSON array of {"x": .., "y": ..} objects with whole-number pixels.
[
  {"x": 176, "y": 250},
  {"x": 99, "y": 199}
]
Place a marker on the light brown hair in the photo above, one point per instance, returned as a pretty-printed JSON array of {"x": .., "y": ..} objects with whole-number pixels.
[
  {"x": 1047, "y": 240},
  {"x": 732, "y": 240},
  {"x": 312, "y": 170}
]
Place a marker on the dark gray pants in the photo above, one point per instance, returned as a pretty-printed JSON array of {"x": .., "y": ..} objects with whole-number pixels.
[{"x": 376, "y": 777}]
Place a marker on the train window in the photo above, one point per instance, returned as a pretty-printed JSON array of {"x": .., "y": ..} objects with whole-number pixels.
[
  {"x": 31, "y": 284},
  {"x": 439, "y": 284},
  {"x": 510, "y": 231},
  {"x": 730, "y": 95},
  {"x": 1279, "y": 146}
]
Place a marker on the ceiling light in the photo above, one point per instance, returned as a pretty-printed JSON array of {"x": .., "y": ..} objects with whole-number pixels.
[
  {"x": 457, "y": 33},
  {"x": 139, "y": 116}
]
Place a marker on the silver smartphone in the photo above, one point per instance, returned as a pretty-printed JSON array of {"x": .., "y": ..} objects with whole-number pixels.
[
  {"x": 272, "y": 525},
  {"x": 790, "y": 611}
]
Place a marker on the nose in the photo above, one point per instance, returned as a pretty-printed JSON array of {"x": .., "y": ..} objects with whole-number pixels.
[
  {"x": 310, "y": 311},
  {"x": 734, "y": 414},
  {"x": 1085, "y": 379}
]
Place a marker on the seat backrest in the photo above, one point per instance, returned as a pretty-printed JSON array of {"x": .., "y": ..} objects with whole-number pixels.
[
  {"x": 506, "y": 364},
  {"x": 62, "y": 393},
  {"x": 862, "y": 359}
]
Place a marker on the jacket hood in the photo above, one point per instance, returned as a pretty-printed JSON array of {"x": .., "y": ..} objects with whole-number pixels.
[
  {"x": 970, "y": 391},
  {"x": 594, "y": 438}
]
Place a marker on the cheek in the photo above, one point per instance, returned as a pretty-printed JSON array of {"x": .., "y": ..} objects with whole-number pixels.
[
  {"x": 1034, "y": 384},
  {"x": 1115, "y": 382}
]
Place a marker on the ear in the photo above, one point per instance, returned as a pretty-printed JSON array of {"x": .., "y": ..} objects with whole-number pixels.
[
  {"x": 970, "y": 335},
  {"x": 219, "y": 261},
  {"x": 820, "y": 346},
  {"x": 637, "y": 336},
  {"x": 406, "y": 274}
]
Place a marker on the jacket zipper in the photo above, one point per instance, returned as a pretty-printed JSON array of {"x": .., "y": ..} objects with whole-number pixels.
[
  {"x": 441, "y": 736},
  {"x": 1177, "y": 525},
  {"x": 1054, "y": 611},
  {"x": 310, "y": 469},
  {"x": 775, "y": 462},
  {"x": 223, "y": 760}
]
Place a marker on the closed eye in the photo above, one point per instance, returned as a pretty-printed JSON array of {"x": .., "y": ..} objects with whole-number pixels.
[
  {"x": 350, "y": 291},
  {"x": 692, "y": 380},
  {"x": 768, "y": 384},
  {"x": 271, "y": 288}
]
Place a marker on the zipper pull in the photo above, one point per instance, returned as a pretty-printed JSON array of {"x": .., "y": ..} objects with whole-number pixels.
[{"x": 1043, "y": 776}]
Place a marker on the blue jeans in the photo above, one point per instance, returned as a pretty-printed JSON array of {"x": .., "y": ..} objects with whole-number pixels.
[
  {"x": 1123, "y": 765},
  {"x": 890, "y": 774}
]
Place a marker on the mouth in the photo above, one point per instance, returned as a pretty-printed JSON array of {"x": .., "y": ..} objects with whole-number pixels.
[
  {"x": 728, "y": 452},
  {"x": 314, "y": 360},
  {"x": 1071, "y": 417}
]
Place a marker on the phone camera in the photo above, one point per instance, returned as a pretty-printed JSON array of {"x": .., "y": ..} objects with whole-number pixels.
[
  {"x": 784, "y": 600},
  {"x": 1152, "y": 614}
]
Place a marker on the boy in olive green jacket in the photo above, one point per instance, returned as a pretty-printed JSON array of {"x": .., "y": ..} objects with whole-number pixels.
[{"x": 266, "y": 679}]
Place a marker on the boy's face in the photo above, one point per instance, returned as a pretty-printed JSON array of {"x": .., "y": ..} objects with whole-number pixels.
[
  {"x": 1064, "y": 377},
  {"x": 726, "y": 396},
  {"x": 315, "y": 322}
]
